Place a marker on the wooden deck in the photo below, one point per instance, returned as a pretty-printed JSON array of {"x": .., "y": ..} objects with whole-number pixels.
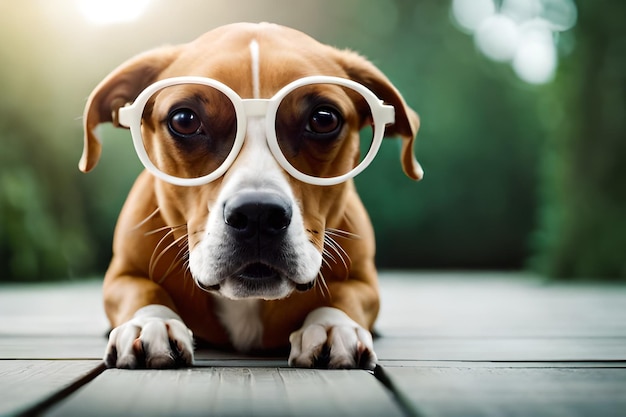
[{"x": 451, "y": 345}]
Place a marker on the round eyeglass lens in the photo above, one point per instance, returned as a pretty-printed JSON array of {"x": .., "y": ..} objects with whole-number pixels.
[
  {"x": 188, "y": 130},
  {"x": 324, "y": 130}
]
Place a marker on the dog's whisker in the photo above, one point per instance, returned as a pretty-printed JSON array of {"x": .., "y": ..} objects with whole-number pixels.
[
  {"x": 186, "y": 273},
  {"x": 326, "y": 262},
  {"x": 185, "y": 267},
  {"x": 342, "y": 233},
  {"x": 339, "y": 251},
  {"x": 196, "y": 241},
  {"x": 170, "y": 269},
  {"x": 178, "y": 259},
  {"x": 156, "y": 253},
  {"x": 329, "y": 239},
  {"x": 327, "y": 248},
  {"x": 155, "y": 258},
  {"x": 147, "y": 219},
  {"x": 170, "y": 229},
  {"x": 343, "y": 255},
  {"x": 323, "y": 286},
  {"x": 181, "y": 243},
  {"x": 327, "y": 254}
]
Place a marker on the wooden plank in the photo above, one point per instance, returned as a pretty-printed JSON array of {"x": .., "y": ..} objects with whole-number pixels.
[
  {"x": 438, "y": 332},
  {"x": 52, "y": 347},
  {"x": 27, "y": 383},
  {"x": 470, "y": 391},
  {"x": 436, "y": 305},
  {"x": 231, "y": 392},
  {"x": 512, "y": 365},
  {"x": 252, "y": 362},
  {"x": 502, "y": 349},
  {"x": 69, "y": 309},
  {"x": 497, "y": 305}
]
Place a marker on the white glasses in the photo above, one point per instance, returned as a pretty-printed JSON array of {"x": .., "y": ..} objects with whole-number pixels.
[{"x": 189, "y": 130}]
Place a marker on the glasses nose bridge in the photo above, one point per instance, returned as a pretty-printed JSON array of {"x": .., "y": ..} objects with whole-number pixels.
[{"x": 255, "y": 107}]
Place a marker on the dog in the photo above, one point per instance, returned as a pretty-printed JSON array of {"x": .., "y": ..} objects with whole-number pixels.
[{"x": 246, "y": 231}]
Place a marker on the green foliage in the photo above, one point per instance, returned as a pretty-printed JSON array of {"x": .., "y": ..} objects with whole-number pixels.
[
  {"x": 41, "y": 231},
  {"x": 583, "y": 228},
  {"x": 515, "y": 175},
  {"x": 479, "y": 144}
]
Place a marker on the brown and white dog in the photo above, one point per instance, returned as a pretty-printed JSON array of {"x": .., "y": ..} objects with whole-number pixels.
[{"x": 256, "y": 259}]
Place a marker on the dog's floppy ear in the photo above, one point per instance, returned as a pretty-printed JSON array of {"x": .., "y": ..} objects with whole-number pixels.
[
  {"x": 118, "y": 88},
  {"x": 407, "y": 121}
]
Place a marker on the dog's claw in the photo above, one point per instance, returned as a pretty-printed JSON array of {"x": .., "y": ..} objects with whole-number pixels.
[
  {"x": 330, "y": 339},
  {"x": 155, "y": 338}
]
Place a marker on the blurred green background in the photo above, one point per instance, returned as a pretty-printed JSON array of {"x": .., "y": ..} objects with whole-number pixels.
[{"x": 523, "y": 132}]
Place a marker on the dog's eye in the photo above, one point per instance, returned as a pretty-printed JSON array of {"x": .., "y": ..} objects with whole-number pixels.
[
  {"x": 184, "y": 123},
  {"x": 324, "y": 121}
]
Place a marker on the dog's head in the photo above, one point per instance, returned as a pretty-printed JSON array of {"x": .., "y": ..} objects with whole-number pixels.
[{"x": 254, "y": 150}]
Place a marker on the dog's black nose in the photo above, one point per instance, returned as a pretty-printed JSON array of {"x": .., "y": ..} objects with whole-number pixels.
[{"x": 253, "y": 213}]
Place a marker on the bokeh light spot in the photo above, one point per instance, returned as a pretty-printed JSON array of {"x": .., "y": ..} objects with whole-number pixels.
[
  {"x": 535, "y": 60},
  {"x": 469, "y": 14},
  {"x": 523, "y": 33},
  {"x": 497, "y": 37}
]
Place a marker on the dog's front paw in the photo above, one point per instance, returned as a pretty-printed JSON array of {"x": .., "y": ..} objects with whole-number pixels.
[
  {"x": 155, "y": 337},
  {"x": 331, "y": 339}
]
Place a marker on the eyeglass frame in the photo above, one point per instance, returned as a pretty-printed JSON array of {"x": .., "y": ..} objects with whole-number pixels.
[{"x": 131, "y": 115}]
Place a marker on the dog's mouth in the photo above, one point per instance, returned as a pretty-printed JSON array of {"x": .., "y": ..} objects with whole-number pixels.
[
  {"x": 257, "y": 279},
  {"x": 258, "y": 271}
]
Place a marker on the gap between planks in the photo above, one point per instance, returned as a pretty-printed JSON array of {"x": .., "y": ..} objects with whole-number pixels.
[{"x": 45, "y": 404}]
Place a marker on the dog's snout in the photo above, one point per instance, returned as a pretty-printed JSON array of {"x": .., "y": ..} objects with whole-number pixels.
[{"x": 252, "y": 213}]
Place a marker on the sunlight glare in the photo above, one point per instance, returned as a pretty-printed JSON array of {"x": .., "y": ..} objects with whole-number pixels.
[{"x": 104, "y": 12}]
